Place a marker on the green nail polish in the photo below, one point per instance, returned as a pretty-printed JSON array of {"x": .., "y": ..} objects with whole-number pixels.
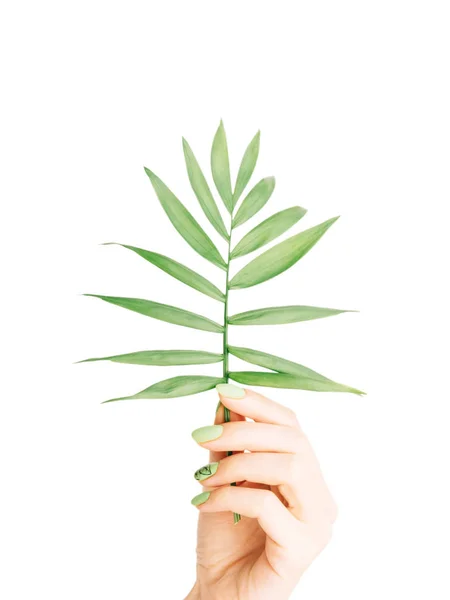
[
  {"x": 230, "y": 391},
  {"x": 207, "y": 434},
  {"x": 201, "y": 498},
  {"x": 206, "y": 471}
]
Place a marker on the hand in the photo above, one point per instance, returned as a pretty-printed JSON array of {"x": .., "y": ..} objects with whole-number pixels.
[{"x": 287, "y": 510}]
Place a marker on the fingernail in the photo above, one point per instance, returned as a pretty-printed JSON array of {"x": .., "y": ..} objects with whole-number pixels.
[
  {"x": 230, "y": 391},
  {"x": 206, "y": 471},
  {"x": 200, "y": 499},
  {"x": 207, "y": 434}
]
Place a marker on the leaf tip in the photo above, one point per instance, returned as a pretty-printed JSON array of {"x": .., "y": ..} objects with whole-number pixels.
[
  {"x": 220, "y": 129},
  {"x": 256, "y": 138},
  {"x": 114, "y": 400}
]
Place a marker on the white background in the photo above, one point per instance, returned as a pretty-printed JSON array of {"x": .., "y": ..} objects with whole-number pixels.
[{"x": 352, "y": 99}]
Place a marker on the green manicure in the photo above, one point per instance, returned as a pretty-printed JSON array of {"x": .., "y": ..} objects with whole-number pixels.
[
  {"x": 230, "y": 391},
  {"x": 201, "y": 498},
  {"x": 207, "y": 434},
  {"x": 206, "y": 471}
]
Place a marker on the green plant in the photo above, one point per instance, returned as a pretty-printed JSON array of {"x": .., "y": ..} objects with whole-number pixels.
[{"x": 282, "y": 373}]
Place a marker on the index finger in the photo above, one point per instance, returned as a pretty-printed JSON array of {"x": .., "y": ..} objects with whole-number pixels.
[{"x": 247, "y": 403}]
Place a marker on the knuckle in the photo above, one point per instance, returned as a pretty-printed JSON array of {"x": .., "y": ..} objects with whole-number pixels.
[
  {"x": 224, "y": 494},
  {"x": 292, "y": 467},
  {"x": 267, "y": 501},
  {"x": 326, "y": 534},
  {"x": 320, "y": 537},
  {"x": 291, "y": 417},
  {"x": 333, "y": 511},
  {"x": 300, "y": 441}
]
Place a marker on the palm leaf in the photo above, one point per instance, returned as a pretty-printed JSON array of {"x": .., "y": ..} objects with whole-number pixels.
[
  {"x": 220, "y": 167},
  {"x": 247, "y": 167},
  {"x": 185, "y": 223},
  {"x": 281, "y": 257},
  {"x": 254, "y": 201},
  {"x": 174, "y": 387},
  {"x": 276, "y": 363},
  {"x": 202, "y": 191},
  {"x": 178, "y": 271},
  {"x": 278, "y": 315},
  {"x": 293, "y": 382},
  {"x": 268, "y": 230},
  {"x": 163, "y": 312},
  {"x": 283, "y": 373},
  {"x": 162, "y": 358}
]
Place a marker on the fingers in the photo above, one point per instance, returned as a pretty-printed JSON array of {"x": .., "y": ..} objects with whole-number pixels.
[
  {"x": 298, "y": 477},
  {"x": 255, "y": 467},
  {"x": 278, "y": 455},
  {"x": 244, "y": 435},
  {"x": 273, "y": 517},
  {"x": 250, "y": 404}
]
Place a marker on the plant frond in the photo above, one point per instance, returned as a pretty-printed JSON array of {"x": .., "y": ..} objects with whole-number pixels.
[
  {"x": 257, "y": 197},
  {"x": 185, "y": 385},
  {"x": 247, "y": 167},
  {"x": 268, "y": 230},
  {"x": 163, "y": 312},
  {"x": 279, "y": 315},
  {"x": 203, "y": 193},
  {"x": 220, "y": 167},
  {"x": 185, "y": 223},
  {"x": 293, "y": 382},
  {"x": 281, "y": 257},
  {"x": 177, "y": 270},
  {"x": 162, "y": 358}
]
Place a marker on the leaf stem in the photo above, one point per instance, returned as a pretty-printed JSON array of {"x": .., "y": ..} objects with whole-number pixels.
[
  {"x": 236, "y": 516},
  {"x": 225, "y": 319}
]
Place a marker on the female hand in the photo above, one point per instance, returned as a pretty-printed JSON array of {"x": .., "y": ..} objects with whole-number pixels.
[{"x": 287, "y": 510}]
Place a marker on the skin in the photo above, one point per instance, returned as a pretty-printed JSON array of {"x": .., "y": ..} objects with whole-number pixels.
[{"x": 287, "y": 510}]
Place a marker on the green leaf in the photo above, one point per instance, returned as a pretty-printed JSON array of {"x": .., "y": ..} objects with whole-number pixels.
[
  {"x": 281, "y": 257},
  {"x": 178, "y": 271},
  {"x": 293, "y": 382},
  {"x": 220, "y": 167},
  {"x": 185, "y": 223},
  {"x": 254, "y": 201},
  {"x": 202, "y": 191},
  {"x": 275, "y": 363},
  {"x": 247, "y": 167},
  {"x": 268, "y": 230},
  {"x": 279, "y": 315},
  {"x": 163, "y": 312},
  {"x": 174, "y": 387},
  {"x": 162, "y": 358}
]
